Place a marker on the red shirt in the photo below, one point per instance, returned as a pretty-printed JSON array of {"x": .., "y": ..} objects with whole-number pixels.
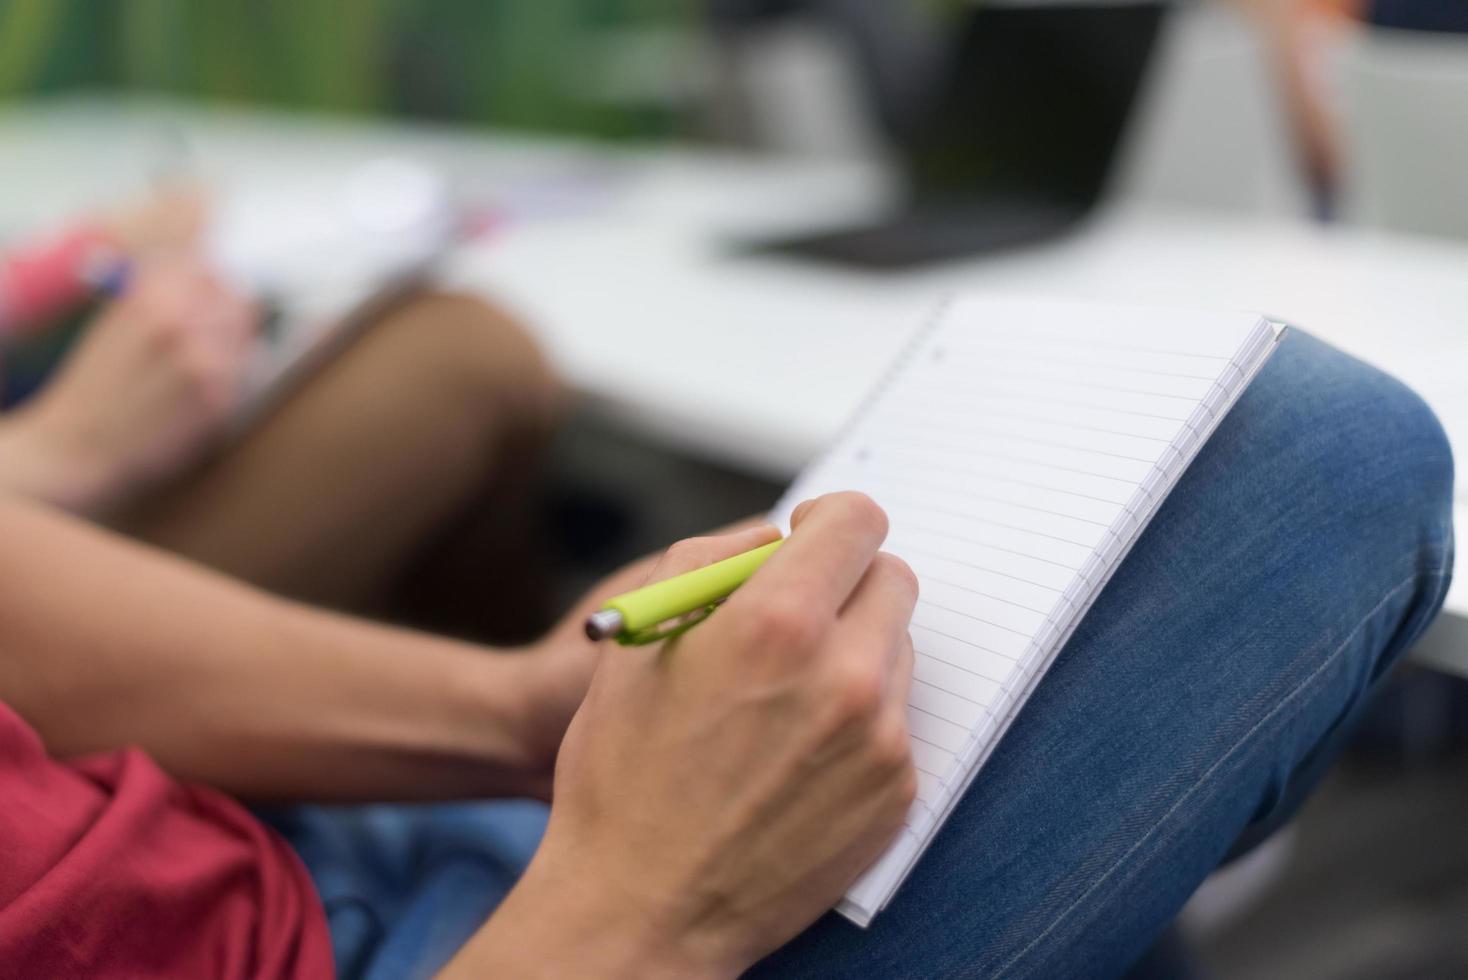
[
  {"x": 39, "y": 280},
  {"x": 108, "y": 868}
]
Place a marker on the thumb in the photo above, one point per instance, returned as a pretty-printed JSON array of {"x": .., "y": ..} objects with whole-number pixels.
[{"x": 683, "y": 556}]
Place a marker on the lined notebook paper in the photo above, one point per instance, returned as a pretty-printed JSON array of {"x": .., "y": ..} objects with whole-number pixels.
[{"x": 1019, "y": 448}]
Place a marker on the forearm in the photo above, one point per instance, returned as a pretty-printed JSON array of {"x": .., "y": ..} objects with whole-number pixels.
[{"x": 108, "y": 643}]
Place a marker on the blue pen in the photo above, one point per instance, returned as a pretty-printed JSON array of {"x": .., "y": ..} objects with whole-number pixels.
[{"x": 105, "y": 274}]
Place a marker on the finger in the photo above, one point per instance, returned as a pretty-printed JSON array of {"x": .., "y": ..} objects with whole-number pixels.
[
  {"x": 744, "y": 523},
  {"x": 646, "y": 569},
  {"x": 801, "y": 509},
  {"x": 892, "y": 714},
  {"x": 692, "y": 553},
  {"x": 231, "y": 323},
  {"x": 165, "y": 287},
  {"x": 880, "y": 609},
  {"x": 217, "y": 314},
  {"x": 185, "y": 208},
  {"x": 824, "y": 559},
  {"x": 147, "y": 282},
  {"x": 890, "y": 725},
  {"x": 899, "y": 682},
  {"x": 154, "y": 304}
]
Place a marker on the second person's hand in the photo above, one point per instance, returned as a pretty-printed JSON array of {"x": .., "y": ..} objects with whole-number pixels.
[{"x": 153, "y": 380}]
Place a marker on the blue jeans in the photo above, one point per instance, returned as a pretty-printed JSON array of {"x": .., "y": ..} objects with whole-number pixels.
[{"x": 1201, "y": 699}]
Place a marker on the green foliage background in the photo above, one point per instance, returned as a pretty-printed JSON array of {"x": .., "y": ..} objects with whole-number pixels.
[{"x": 504, "y": 62}]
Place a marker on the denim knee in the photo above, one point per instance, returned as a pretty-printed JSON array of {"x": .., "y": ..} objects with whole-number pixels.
[{"x": 1366, "y": 466}]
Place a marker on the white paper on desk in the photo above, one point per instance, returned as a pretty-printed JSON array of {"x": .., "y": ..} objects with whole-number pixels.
[
  {"x": 1019, "y": 448},
  {"x": 326, "y": 251}
]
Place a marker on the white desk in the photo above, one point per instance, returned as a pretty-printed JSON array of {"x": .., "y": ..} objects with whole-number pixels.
[
  {"x": 763, "y": 360},
  {"x": 624, "y": 264}
]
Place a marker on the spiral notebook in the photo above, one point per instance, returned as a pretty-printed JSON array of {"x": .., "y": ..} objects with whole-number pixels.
[{"x": 1019, "y": 449}]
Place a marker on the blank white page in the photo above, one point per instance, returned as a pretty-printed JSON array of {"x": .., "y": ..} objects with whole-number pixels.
[{"x": 1019, "y": 447}]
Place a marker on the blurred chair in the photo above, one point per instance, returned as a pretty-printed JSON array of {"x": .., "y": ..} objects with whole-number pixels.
[
  {"x": 1405, "y": 114},
  {"x": 827, "y": 77},
  {"x": 1209, "y": 131},
  {"x": 790, "y": 86}
]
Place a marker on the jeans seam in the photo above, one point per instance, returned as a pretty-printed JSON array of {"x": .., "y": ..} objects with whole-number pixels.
[{"x": 1212, "y": 770}]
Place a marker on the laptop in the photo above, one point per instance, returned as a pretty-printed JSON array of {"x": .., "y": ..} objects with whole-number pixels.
[{"x": 1016, "y": 141}]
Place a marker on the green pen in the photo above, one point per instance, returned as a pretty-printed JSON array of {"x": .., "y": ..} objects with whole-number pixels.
[{"x": 635, "y": 617}]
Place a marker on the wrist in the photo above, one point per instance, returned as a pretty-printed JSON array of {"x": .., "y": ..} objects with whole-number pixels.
[
  {"x": 569, "y": 921},
  {"x": 498, "y": 712},
  {"x": 556, "y": 672}
]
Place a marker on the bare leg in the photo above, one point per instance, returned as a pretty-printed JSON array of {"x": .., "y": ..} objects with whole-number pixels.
[{"x": 434, "y": 407}]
